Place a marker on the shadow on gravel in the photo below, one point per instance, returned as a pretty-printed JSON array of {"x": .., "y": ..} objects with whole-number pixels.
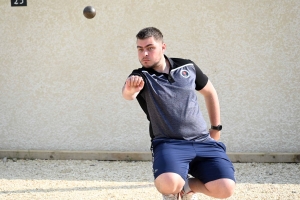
[{"x": 40, "y": 190}]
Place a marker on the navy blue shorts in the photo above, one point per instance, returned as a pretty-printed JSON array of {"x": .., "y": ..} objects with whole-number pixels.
[{"x": 206, "y": 161}]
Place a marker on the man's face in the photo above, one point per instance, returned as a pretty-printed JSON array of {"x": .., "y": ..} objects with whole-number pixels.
[{"x": 150, "y": 52}]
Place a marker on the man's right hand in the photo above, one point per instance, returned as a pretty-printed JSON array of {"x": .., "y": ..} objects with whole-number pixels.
[{"x": 133, "y": 85}]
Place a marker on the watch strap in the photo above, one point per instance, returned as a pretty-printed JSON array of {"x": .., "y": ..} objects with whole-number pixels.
[{"x": 218, "y": 128}]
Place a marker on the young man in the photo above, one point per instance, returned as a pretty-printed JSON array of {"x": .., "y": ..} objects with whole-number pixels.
[{"x": 181, "y": 144}]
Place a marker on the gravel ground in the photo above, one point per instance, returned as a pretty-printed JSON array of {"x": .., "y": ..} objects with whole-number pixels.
[{"x": 105, "y": 180}]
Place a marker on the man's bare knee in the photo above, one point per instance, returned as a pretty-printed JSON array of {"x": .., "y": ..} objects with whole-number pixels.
[
  {"x": 228, "y": 190},
  {"x": 169, "y": 183},
  {"x": 222, "y": 188}
]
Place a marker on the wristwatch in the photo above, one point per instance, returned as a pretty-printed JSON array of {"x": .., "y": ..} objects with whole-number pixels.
[{"x": 218, "y": 128}]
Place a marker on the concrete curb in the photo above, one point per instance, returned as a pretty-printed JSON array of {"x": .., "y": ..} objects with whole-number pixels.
[
  {"x": 265, "y": 157},
  {"x": 140, "y": 156}
]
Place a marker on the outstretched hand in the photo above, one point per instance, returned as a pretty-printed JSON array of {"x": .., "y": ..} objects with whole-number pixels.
[{"x": 134, "y": 83}]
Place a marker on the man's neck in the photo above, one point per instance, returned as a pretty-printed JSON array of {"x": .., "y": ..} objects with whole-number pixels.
[{"x": 164, "y": 67}]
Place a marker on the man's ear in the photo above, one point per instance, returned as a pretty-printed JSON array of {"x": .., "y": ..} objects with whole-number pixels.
[{"x": 164, "y": 46}]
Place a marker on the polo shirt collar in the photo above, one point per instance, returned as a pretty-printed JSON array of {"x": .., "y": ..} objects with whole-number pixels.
[{"x": 170, "y": 61}]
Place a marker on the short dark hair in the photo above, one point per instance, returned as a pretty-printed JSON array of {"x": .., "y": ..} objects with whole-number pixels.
[{"x": 150, "y": 32}]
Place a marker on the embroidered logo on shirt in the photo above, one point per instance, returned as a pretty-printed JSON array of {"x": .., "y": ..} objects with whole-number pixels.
[{"x": 184, "y": 73}]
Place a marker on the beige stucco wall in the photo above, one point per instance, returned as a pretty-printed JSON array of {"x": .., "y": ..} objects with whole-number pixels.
[{"x": 61, "y": 74}]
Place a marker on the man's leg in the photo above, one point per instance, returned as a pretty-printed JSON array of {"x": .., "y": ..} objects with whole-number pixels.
[
  {"x": 220, "y": 188},
  {"x": 171, "y": 160},
  {"x": 212, "y": 170},
  {"x": 169, "y": 183}
]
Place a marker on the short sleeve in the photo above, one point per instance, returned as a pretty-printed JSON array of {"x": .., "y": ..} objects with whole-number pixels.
[{"x": 201, "y": 78}]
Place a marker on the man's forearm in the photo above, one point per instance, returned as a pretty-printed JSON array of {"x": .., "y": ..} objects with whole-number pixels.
[{"x": 213, "y": 109}]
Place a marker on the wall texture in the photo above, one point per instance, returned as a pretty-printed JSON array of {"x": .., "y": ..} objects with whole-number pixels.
[{"x": 61, "y": 74}]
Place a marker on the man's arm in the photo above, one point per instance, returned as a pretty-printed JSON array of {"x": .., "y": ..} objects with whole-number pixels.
[
  {"x": 213, "y": 108},
  {"x": 132, "y": 87}
]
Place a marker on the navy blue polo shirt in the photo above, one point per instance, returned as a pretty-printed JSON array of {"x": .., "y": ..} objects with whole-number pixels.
[{"x": 170, "y": 101}]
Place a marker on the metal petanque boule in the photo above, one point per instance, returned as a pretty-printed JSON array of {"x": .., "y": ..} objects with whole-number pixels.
[{"x": 89, "y": 12}]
